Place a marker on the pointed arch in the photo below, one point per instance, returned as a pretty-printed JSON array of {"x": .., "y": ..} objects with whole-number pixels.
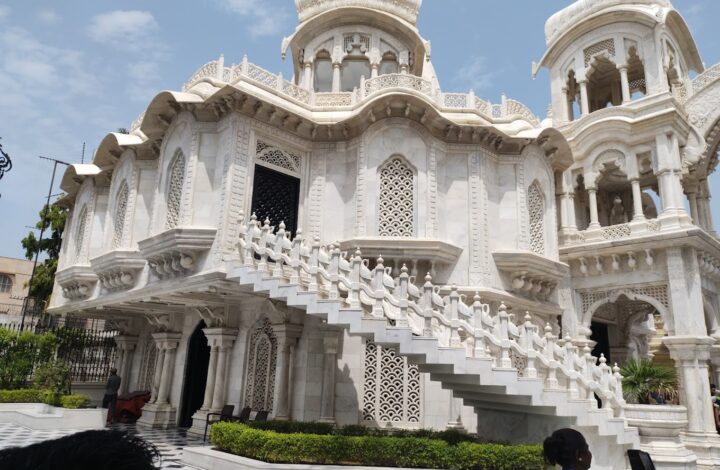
[
  {"x": 536, "y": 211},
  {"x": 175, "y": 184},
  {"x": 396, "y": 198},
  {"x": 121, "y": 203}
]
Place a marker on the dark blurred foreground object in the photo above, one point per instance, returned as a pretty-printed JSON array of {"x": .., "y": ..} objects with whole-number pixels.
[
  {"x": 128, "y": 407},
  {"x": 640, "y": 460},
  {"x": 5, "y": 162},
  {"x": 88, "y": 450}
]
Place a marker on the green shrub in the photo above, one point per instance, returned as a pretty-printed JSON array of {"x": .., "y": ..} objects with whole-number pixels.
[
  {"x": 75, "y": 400},
  {"x": 20, "y": 352},
  {"x": 372, "y": 450},
  {"x": 53, "y": 375},
  {"x": 290, "y": 427},
  {"x": 24, "y": 395}
]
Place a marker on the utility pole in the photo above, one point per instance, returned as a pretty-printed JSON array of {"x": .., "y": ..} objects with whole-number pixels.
[{"x": 56, "y": 162}]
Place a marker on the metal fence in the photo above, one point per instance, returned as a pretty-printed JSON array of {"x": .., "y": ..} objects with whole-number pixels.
[{"x": 86, "y": 345}]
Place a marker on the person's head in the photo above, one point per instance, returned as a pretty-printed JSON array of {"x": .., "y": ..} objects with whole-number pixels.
[
  {"x": 88, "y": 450},
  {"x": 113, "y": 371},
  {"x": 567, "y": 448}
]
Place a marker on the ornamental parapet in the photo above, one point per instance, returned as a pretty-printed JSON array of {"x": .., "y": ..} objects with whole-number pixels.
[
  {"x": 118, "y": 269},
  {"x": 217, "y": 75},
  {"x": 175, "y": 252},
  {"x": 77, "y": 282}
]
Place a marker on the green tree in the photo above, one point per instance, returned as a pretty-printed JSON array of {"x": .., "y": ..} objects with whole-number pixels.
[
  {"x": 52, "y": 221},
  {"x": 642, "y": 379}
]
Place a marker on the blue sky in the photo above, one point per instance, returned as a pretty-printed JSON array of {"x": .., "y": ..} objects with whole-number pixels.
[{"x": 74, "y": 70}]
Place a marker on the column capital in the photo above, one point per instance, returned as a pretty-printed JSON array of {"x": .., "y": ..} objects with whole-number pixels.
[
  {"x": 622, "y": 67},
  {"x": 221, "y": 337},
  {"x": 285, "y": 331},
  {"x": 167, "y": 340},
  {"x": 689, "y": 348},
  {"x": 126, "y": 342},
  {"x": 331, "y": 340}
]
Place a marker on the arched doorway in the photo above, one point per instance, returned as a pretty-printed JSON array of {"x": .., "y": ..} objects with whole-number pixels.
[{"x": 196, "y": 369}]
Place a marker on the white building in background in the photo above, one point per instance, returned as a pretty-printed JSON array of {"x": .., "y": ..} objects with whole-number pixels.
[{"x": 356, "y": 245}]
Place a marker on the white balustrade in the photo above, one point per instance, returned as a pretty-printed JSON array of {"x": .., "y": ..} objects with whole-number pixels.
[{"x": 347, "y": 279}]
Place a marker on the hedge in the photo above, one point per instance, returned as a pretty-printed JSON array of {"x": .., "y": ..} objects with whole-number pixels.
[
  {"x": 384, "y": 451},
  {"x": 288, "y": 427},
  {"x": 36, "y": 395}
]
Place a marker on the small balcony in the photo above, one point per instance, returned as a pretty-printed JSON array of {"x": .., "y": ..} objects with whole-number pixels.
[
  {"x": 118, "y": 269},
  {"x": 529, "y": 274},
  {"x": 175, "y": 252},
  {"x": 77, "y": 282}
]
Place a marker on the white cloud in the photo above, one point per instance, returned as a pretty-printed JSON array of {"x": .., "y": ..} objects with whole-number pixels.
[
  {"x": 4, "y": 12},
  {"x": 475, "y": 74},
  {"x": 48, "y": 16},
  {"x": 265, "y": 18},
  {"x": 123, "y": 29}
]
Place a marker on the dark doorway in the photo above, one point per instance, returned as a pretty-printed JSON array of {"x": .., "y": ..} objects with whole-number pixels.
[
  {"x": 276, "y": 196},
  {"x": 196, "y": 369},
  {"x": 600, "y": 336}
]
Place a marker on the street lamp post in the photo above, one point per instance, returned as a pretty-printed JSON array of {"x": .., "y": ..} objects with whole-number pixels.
[{"x": 42, "y": 232}]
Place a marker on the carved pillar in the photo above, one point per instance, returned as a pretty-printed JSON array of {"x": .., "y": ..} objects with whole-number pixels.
[
  {"x": 637, "y": 200},
  {"x": 625, "y": 84},
  {"x": 126, "y": 351},
  {"x": 691, "y": 354},
  {"x": 336, "y": 78},
  {"x": 592, "y": 199},
  {"x": 374, "y": 70},
  {"x": 223, "y": 339},
  {"x": 287, "y": 335},
  {"x": 694, "y": 213},
  {"x": 210, "y": 382},
  {"x": 307, "y": 77},
  {"x": 568, "y": 100},
  {"x": 159, "y": 357},
  {"x": 670, "y": 176},
  {"x": 168, "y": 342},
  {"x": 584, "y": 103},
  {"x": 327, "y": 403}
]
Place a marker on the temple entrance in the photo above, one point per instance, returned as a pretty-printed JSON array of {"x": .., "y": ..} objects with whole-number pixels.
[
  {"x": 602, "y": 339},
  {"x": 276, "y": 197},
  {"x": 196, "y": 369}
]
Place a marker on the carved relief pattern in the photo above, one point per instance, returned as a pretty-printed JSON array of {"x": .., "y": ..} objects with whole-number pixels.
[
  {"x": 317, "y": 189},
  {"x": 174, "y": 192},
  {"x": 280, "y": 158},
  {"x": 615, "y": 232},
  {"x": 333, "y": 99},
  {"x": 396, "y": 199},
  {"x": 391, "y": 392},
  {"x": 120, "y": 215},
  {"x": 238, "y": 184},
  {"x": 262, "y": 359},
  {"x": 523, "y": 214},
  {"x": 657, "y": 292},
  {"x": 476, "y": 225},
  {"x": 455, "y": 100},
  {"x": 518, "y": 362},
  {"x": 536, "y": 209},
  {"x": 80, "y": 234},
  {"x": 432, "y": 223},
  {"x": 360, "y": 193}
]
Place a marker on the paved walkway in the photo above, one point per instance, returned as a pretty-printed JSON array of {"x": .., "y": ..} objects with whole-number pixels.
[{"x": 168, "y": 442}]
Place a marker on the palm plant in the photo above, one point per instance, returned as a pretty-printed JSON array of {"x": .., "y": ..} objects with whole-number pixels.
[{"x": 641, "y": 380}]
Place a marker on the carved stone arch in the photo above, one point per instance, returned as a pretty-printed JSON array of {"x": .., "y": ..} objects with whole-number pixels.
[
  {"x": 606, "y": 158},
  {"x": 81, "y": 228},
  {"x": 615, "y": 295},
  {"x": 174, "y": 186},
  {"x": 260, "y": 367}
]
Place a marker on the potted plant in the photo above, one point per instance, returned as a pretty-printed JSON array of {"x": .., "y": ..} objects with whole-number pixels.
[{"x": 645, "y": 383}]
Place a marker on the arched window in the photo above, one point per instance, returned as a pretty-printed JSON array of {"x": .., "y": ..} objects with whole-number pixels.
[
  {"x": 388, "y": 64},
  {"x": 262, "y": 359},
  {"x": 5, "y": 283},
  {"x": 175, "y": 184},
  {"x": 80, "y": 232},
  {"x": 355, "y": 65},
  {"x": 536, "y": 208},
  {"x": 323, "y": 72},
  {"x": 120, "y": 213},
  {"x": 396, "y": 204},
  {"x": 391, "y": 392},
  {"x": 636, "y": 75}
]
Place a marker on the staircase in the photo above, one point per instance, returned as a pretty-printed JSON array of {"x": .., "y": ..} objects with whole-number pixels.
[{"x": 465, "y": 347}]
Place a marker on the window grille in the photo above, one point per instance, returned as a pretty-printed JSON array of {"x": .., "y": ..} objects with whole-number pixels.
[
  {"x": 262, "y": 360},
  {"x": 391, "y": 394},
  {"x": 275, "y": 157},
  {"x": 174, "y": 191},
  {"x": 396, "y": 201},
  {"x": 120, "y": 213},
  {"x": 536, "y": 208},
  {"x": 5, "y": 283}
]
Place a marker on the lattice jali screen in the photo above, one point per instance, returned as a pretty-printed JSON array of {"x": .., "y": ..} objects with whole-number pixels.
[
  {"x": 80, "y": 233},
  {"x": 607, "y": 45},
  {"x": 120, "y": 213},
  {"x": 262, "y": 360},
  {"x": 396, "y": 211},
  {"x": 147, "y": 367},
  {"x": 174, "y": 191},
  {"x": 274, "y": 156},
  {"x": 536, "y": 208},
  {"x": 391, "y": 393},
  {"x": 657, "y": 292}
]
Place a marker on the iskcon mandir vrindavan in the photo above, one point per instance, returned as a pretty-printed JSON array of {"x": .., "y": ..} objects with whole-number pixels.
[{"x": 356, "y": 245}]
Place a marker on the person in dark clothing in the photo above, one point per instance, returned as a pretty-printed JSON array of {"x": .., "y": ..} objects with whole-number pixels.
[
  {"x": 88, "y": 450},
  {"x": 111, "y": 393},
  {"x": 567, "y": 448}
]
